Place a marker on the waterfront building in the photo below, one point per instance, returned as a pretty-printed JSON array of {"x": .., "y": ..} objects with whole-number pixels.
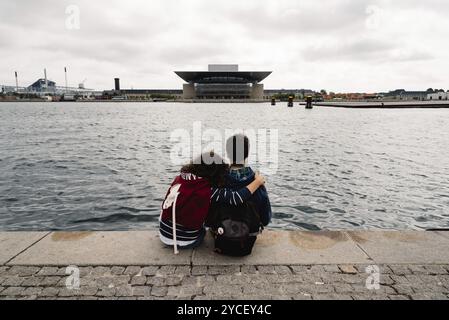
[
  {"x": 223, "y": 82},
  {"x": 441, "y": 95},
  {"x": 401, "y": 94},
  {"x": 42, "y": 85}
]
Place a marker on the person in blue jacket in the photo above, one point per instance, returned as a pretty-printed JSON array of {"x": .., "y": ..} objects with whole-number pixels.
[{"x": 241, "y": 175}]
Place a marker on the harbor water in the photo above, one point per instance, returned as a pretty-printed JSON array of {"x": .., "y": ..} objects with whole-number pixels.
[{"x": 106, "y": 166}]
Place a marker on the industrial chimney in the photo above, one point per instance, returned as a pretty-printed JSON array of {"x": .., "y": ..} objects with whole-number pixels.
[{"x": 117, "y": 84}]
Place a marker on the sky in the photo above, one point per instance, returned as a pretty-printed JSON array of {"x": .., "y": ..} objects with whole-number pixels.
[{"x": 336, "y": 45}]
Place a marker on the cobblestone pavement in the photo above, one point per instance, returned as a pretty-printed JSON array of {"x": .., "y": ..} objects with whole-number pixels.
[{"x": 397, "y": 282}]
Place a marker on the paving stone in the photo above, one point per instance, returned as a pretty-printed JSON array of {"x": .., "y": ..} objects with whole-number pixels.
[
  {"x": 300, "y": 269},
  {"x": 166, "y": 270},
  {"x": 3, "y": 269},
  {"x": 321, "y": 282},
  {"x": 198, "y": 280},
  {"x": 31, "y": 291},
  {"x": 266, "y": 269},
  {"x": 223, "y": 290},
  {"x": 343, "y": 288},
  {"x": 417, "y": 269},
  {"x": 141, "y": 291},
  {"x": 124, "y": 291},
  {"x": 182, "y": 270},
  {"x": 138, "y": 280},
  {"x": 332, "y": 268},
  {"x": 66, "y": 293},
  {"x": 49, "y": 281},
  {"x": 199, "y": 270},
  {"x": 174, "y": 280},
  {"x": 235, "y": 279},
  {"x": 386, "y": 280},
  {"x": 370, "y": 297},
  {"x": 159, "y": 291},
  {"x": 428, "y": 296},
  {"x": 278, "y": 278},
  {"x": 150, "y": 271},
  {"x": 265, "y": 289},
  {"x": 381, "y": 290},
  {"x": 108, "y": 281},
  {"x": 132, "y": 270},
  {"x": 106, "y": 292},
  {"x": 87, "y": 291},
  {"x": 217, "y": 270},
  {"x": 117, "y": 271},
  {"x": 248, "y": 270},
  {"x": 400, "y": 270},
  {"x": 49, "y": 271},
  {"x": 87, "y": 271},
  {"x": 49, "y": 292},
  {"x": 12, "y": 281},
  {"x": 348, "y": 269},
  {"x": 399, "y": 297},
  {"x": 23, "y": 271},
  {"x": 12, "y": 291},
  {"x": 436, "y": 269},
  {"x": 185, "y": 291},
  {"x": 404, "y": 289},
  {"x": 332, "y": 297},
  {"x": 156, "y": 281},
  {"x": 283, "y": 270},
  {"x": 32, "y": 281},
  {"x": 302, "y": 297}
]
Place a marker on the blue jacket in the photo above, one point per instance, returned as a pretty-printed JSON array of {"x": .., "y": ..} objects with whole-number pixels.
[{"x": 238, "y": 179}]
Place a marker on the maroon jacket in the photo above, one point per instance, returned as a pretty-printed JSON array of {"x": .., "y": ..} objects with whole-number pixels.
[{"x": 192, "y": 204}]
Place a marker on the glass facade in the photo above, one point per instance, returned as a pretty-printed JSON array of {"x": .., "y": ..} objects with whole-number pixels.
[{"x": 223, "y": 91}]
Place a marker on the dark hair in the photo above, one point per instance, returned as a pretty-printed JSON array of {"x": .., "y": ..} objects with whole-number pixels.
[
  {"x": 209, "y": 166},
  {"x": 237, "y": 148}
]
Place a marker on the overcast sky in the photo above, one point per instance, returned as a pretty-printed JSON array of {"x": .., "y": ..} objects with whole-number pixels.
[{"x": 338, "y": 45}]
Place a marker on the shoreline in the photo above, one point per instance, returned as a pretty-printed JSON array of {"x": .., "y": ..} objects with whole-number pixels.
[{"x": 284, "y": 265}]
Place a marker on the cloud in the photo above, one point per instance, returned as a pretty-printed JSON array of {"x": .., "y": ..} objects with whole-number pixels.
[
  {"x": 343, "y": 45},
  {"x": 365, "y": 49}
]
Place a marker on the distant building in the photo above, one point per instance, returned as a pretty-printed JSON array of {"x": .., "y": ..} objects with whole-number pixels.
[
  {"x": 438, "y": 96},
  {"x": 41, "y": 86},
  {"x": 223, "y": 82},
  {"x": 401, "y": 94},
  {"x": 301, "y": 93}
]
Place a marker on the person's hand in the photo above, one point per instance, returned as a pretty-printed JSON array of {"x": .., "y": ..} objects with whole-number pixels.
[{"x": 260, "y": 179}]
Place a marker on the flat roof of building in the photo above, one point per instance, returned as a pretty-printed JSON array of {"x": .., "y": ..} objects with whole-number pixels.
[{"x": 226, "y": 76}]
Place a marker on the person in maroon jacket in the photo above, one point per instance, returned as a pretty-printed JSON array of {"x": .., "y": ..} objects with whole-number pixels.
[{"x": 187, "y": 203}]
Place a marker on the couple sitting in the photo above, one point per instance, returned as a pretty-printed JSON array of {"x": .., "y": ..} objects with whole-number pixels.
[{"x": 231, "y": 200}]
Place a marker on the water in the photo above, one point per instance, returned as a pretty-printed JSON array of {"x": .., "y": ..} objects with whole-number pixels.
[{"x": 88, "y": 166}]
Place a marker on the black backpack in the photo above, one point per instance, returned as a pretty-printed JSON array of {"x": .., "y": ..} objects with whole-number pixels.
[{"x": 235, "y": 229}]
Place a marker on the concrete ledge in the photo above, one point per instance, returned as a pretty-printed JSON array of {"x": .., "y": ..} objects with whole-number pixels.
[
  {"x": 13, "y": 243},
  {"x": 100, "y": 248},
  {"x": 272, "y": 248},
  {"x": 391, "y": 247},
  {"x": 290, "y": 248}
]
